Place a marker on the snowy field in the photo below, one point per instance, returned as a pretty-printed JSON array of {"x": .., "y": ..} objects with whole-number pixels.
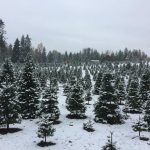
[{"x": 70, "y": 135}]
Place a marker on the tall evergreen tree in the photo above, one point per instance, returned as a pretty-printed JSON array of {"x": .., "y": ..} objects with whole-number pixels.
[
  {"x": 106, "y": 108},
  {"x": 29, "y": 91},
  {"x": 2, "y": 41},
  {"x": 25, "y": 47},
  {"x": 49, "y": 105},
  {"x": 44, "y": 58},
  {"x": 75, "y": 101},
  {"x": 16, "y": 51},
  {"x": 9, "y": 106},
  {"x": 144, "y": 90}
]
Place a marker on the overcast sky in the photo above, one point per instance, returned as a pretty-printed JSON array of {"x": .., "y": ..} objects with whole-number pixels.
[{"x": 76, "y": 24}]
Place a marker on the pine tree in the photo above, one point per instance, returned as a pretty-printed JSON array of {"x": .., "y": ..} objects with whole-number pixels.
[
  {"x": 44, "y": 58},
  {"x": 139, "y": 126},
  {"x": 147, "y": 114},
  {"x": 3, "y": 49},
  {"x": 25, "y": 47},
  {"x": 43, "y": 80},
  {"x": 45, "y": 128},
  {"x": 110, "y": 145},
  {"x": 121, "y": 93},
  {"x": 75, "y": 101},
  {"x": 106, "y": 108},
  {"x": 144, "y": 91},
  {"x": 9, "y": 106},
  {"x": 133, "y": 103},
  {"x": 129, "y": 82},
  {"x": 49, "y": 105},
  {"x": 16, "y": 51},
  {"x": 97, "y": 84},
  {"x": 87, "y": 79},
  {"x": 29, "y": 91}
]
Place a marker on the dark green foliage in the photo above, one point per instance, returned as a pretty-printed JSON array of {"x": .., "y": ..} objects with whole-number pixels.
[
  {"x": 88, "y": 97},
  {"x": 144, "y": 90},
  {"x": 3, "y": 48},
  {"x": 16, "y": 51},
  {"x": 139, "y": 126},
  {"x": 106, "y": 108},
  {"x": 88, "y": 126},
  {"x": 87, "y": 81},
  {"x": 147, "y": 114},
  {"x": 45, "y": 128},
  {"x": 121, "y": 93},
  {"x": 98, "y": 84},
  {"x": 75, "y": 101},
  {"x": 29, "y": 91},
  {"x": 9, "y": 106},
  {"x": 49, "y": 105},
  {"x": 110, "y": 145},
  {"x": 133, "y": 103}
]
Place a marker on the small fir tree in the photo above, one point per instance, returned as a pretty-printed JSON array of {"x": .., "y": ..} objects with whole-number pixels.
[
  {"x": 45, "y": 128},
  {"x": 110, "y": 145}
]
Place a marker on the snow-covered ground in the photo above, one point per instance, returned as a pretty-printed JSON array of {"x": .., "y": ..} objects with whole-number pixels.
[{"x": 70, "y": 135}]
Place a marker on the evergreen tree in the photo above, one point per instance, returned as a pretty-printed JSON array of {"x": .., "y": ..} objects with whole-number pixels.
[
  {"x": 29, "y": 91},
  {"x": 45, "y": 128},
  {"x": 144, "y": 91},
  {"x": 49, "y": 105},
  {"x": 44, "y": 58},
  {"x": 147, "y": 114},
  {"x": 43, "y": 80},
  {"x": 3, "y": 49},
  {"x": 87, "y": 79},
  {"x": 25, "y": 47},
  {"x": 16, "y": 51},
  {"x": 129, "y": 82},
  {"x": 133, "y": 103},
  {"x": 121, "y": 93},
  {"x": 98, "y": 84},
  {"x": 75, "y": 101},
  {"x": 106, "y": 108},
  {"x": 9, "y": 106},
  {"x": 110, "y": 145},
  {"x": 139, "y": 126}
]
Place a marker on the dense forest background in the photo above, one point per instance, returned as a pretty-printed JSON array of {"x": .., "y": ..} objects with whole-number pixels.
[{"x": 18, "y": 51}]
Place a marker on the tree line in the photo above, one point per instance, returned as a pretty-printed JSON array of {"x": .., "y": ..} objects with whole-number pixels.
[{"x": 18, "y": 51}]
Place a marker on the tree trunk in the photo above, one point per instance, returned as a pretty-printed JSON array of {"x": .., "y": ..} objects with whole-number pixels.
[
  {"x": 45, "y": 138},
  {"x": 7, "y": 126}
]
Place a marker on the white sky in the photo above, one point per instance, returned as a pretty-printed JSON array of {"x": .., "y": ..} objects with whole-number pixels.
[{"x": 76, "y": 24}]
